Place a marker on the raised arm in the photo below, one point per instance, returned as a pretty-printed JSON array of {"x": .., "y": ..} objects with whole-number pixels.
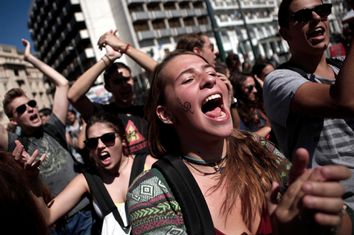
[
  {"x": 60, "y": 103},
  {"x": 141, "y": 58},
  {"x": 76, "y": 94}
]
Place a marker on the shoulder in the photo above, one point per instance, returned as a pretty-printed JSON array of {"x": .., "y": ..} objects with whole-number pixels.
[
  {"x": 279, "y": 77},
  {"x": 54, "y": 121}
]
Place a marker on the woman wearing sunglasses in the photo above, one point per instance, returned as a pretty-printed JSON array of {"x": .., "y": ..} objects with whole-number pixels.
[
  {"x": 250, "y": 106},
  {"x": 106, "y": 142}
]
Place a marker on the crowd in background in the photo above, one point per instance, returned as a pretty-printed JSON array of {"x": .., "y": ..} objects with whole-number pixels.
[{"x": 265, "y": 148}]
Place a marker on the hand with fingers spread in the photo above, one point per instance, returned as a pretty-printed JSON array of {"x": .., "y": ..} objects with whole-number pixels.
[
  {"x": 29, "y": 162},
  {"x": 314, "y": 197}
]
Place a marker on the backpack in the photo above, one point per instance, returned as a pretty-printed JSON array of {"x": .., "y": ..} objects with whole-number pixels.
[
  {"x": 196, "y": 214},
  {"x": 288, "y": 65},
  {"x": 101, "y": 195}
]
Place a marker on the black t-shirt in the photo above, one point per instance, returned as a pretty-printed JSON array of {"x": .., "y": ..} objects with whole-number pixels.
[{"x": 135, "y": 124}]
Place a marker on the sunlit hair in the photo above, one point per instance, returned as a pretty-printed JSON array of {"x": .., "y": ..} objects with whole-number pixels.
[
  {"x": 111, "y": 121},
  {"x": 250, "y": 168},
  {"x": 9, "y": 97},
  {"x": 190, "y": 41},
  {"x": 19, "y": 213}
]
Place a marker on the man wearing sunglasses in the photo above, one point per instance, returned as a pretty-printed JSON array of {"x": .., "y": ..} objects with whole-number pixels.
[
  {"x": 57, "y": 169},
  {"x": 119, "y": 81},
  {"x": 310, "y": 99}
]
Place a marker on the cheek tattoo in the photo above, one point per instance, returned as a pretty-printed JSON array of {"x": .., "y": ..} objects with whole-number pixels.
[{"x": 186, "y": 106}]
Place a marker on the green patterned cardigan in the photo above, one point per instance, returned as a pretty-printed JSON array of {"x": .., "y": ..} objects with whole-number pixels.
[{"x": 152, "y": 208}]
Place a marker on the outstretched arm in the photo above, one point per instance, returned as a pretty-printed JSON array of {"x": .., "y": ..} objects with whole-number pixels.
[
  {"x": 60, "y": 104},
  {"x": 62, "y": 203},
  {"x": 76, "y": 94},
  {"x": 110, "y": 38}
]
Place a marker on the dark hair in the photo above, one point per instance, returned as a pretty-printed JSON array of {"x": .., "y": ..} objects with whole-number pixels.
[
  {"x": 259, "y": 65},
  {"x": 45, "y": 111},
  {"x": 247, "y": 160},
  {"x": 19, "y": 212},
  {"x": 9, "y": 97},
  {"x": 283, "y": 13},
  {"x": 110, "y": 120},
  {"x": 190, "y": 41},
  {"x": 246, "y": 108},
  {"x": 113, "y": 68}
]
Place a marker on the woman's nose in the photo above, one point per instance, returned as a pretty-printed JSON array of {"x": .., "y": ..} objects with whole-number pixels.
[{"x": 208, "y": 80}]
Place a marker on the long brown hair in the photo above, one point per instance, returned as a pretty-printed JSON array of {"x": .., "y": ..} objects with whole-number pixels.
[
  {"x": 19, "y": 212},
  {"x": 250, "y": 168}
]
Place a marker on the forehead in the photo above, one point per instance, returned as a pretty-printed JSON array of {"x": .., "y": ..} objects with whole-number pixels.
[
  {"x": 19, "y": 101},
  {"x": 206, "y": 40},
  {"x": 301, "y": 4},
  {"x": 182, "y": 63},
  {"x": 99, "y": 128},
  {"x": 248, "y": 81}
]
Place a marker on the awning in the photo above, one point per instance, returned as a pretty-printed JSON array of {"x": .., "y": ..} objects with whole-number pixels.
[{"x": 348, "y": 17}]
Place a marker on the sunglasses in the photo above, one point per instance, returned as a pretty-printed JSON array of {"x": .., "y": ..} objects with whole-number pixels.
[
  {"x": 250, "y": 88},
  {"x": 305, "y": 15},
  {"x": 107, "y": 139},
  {"x": 23, "y": 107},
  {"x": 120, "y": 79}
]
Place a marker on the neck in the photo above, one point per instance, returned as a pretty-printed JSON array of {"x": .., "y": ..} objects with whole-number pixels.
[
  {"x": 207, "y": 152},
  {"x": 315, "y": 65},
  {"x": 309, "y": 63}
]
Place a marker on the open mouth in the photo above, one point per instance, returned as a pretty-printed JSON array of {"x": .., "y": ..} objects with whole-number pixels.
[
  {"x": 33, "y": 117},
  {"x": 213, "y": 106},
  {"x": 104, "y": 155},
  {"x": 319, "y": 31}
]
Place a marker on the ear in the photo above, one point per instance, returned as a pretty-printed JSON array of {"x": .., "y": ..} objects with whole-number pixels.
[
  {"x": 13, "y": 121},
  {"x": 197, "y": 50},
  {"x": 285, "y": 34},
  {"x": 164, "y": 115}
]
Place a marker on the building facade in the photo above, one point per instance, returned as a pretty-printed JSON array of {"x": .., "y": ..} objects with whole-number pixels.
[
  {"x": 15, "y": 72},
  {"x": 65, "y": 33}
]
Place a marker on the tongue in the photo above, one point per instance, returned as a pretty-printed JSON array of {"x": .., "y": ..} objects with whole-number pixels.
[{"x": 214, "y": 113}]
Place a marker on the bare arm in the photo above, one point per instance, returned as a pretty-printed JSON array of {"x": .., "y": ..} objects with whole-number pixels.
[
  {"x": 76, "y": 94},
  {"x": 60, "y": 105},
  {"x": 110, "y": 38},
  {"x": 328, "y": 101},
  {"x": 3, "y": 138}
]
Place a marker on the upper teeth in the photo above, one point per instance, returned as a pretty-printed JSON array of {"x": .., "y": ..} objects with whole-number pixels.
[
  {"x": 212, "y": 97},
  {"x": 103, "y": 154}
]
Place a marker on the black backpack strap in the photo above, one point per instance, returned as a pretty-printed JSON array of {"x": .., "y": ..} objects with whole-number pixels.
[
  {"x": 53, "y": 132},
  {"x": 291, "y": 66},
  {"x": 196, "y": 215},
  {"x": 138, "y": 166},
  {"x": 103, "y": 199},
  {"x": 335, "y": 62}
]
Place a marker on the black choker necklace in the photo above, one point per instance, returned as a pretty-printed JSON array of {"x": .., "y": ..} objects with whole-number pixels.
[{"x": 218, "y": 166}]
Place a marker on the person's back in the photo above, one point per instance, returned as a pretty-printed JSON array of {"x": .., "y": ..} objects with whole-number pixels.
[{"x": 309, "y": 103}]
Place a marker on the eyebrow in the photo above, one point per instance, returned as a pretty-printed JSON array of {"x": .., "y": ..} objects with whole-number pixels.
[{"x": 191, "y": 70}]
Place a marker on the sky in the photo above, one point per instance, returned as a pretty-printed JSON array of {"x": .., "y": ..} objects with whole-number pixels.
[{"x": 13, "y": 22}]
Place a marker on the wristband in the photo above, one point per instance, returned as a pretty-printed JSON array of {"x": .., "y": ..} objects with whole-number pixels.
[
  {"x": 106, "y": 63},
  {"x": 125, "y": 49}
]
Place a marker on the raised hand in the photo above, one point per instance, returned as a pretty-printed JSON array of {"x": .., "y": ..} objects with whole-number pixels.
[
  {"x": 314, "y": 196},
  {"x": 27, "y": 46},
  {"x": 29, "y": 162}
]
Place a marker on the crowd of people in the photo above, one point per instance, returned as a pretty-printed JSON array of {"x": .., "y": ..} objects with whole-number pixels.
[{"x": 218, "y": 148}]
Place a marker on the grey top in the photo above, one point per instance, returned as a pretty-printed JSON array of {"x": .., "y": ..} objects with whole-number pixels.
[
  {"x": 328, "y": 140},
  {"x": 57, "y": 170}
]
